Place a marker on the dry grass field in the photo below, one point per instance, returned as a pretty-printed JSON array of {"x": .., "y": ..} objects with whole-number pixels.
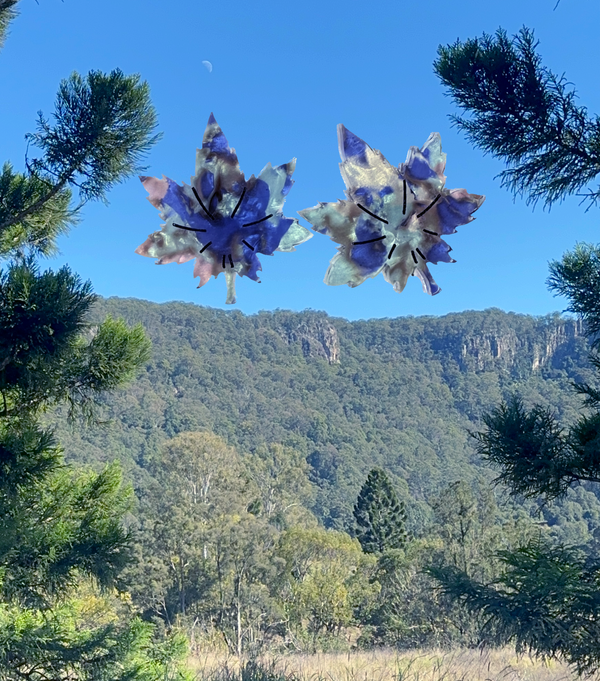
[{"x": 386, "y": 665}]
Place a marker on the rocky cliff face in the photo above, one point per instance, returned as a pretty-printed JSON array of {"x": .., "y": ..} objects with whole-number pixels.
[
  {"x": 317, "y": 337},
  {"x": 558, "y": 342},
  {"x": 479, "y": 351},
  {"x": 522, "y": 344}
]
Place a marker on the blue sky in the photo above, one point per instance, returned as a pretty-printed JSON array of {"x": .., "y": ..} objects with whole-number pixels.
[{"x": 284, "y": 75}]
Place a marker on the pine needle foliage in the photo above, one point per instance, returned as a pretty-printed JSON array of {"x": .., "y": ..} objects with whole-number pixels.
[
  {"x": 39, "y": 229},
  {"x": 77, "y": 523},
  {"x": 537, "y": 456},
  {"x": 523, "y": 114},
  {"x": 7, "y": 14},
  {"x": 103, "y": 127},
  {"x": 59, "y": 525},
  {"x": 53, "y": 646},
  {"x": 527, "y": 447},
  {"x": 379, "y": 515},
  {"x": 577, "y": 277},
  {"x": 44, "y": 356},
  {"x": 548, "y": 598}
]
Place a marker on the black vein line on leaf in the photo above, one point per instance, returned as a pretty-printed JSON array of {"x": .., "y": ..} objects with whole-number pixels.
[
  {"x": 368, "y": 241},
  {"x": 429, "y": 206},
  {"x": 372, "y": 214},
  {"x": 414, "y": 256},
  {"x": 238, "y": 203},
  {"x": 191, "y": 229},
  {"x": 205, "y": 247},
  {"x": 248, "y": 224},
  {"x": 428, "y": 232},
  {"x": 230, "y": 260},
  {"x": 391, "y": 251},
  {"x": 419, "y": 252},
  {"x": 404, "y": 203},
  {"x": 247, "y": 244},
  {"x": 200, "y": 202}
]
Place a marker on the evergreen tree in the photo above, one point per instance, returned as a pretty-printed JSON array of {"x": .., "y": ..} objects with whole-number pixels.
[
  {"x": 379, "y": 515},
  {"x": 523, "y": 114},
  {"x": 7, "y": 13},
  {"x": 59, "y": 526},
  {"x": 548, "y": 598}
]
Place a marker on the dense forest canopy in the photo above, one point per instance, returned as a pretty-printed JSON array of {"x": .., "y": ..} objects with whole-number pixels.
[{"x": 342, "y": 396}]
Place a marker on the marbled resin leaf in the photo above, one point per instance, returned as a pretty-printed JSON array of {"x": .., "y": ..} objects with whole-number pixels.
[
  {"x": 222, "y": 219},
  {"x": 394, "y": 217}
]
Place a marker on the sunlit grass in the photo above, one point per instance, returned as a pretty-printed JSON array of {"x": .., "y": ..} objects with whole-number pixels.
[{"x": 383, "y": 665}]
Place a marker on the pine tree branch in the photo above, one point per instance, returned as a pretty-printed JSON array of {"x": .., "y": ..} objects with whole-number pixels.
[
  {"x": 16, "y": 219},
  {"x": 527, "y": 447},
  {"x": 40, "y": 229},
  {"x": 103, "y": 127},
  {"x": 546, "y": 600},
  {"x": 7, "y": 14},
  {"x": 522, "y": 113},
  {"x": 577, "y": 276}
]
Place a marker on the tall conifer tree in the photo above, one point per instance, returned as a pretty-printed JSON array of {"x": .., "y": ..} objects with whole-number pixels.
[
  {"x": 548, "y": 599},
  {"x": 60, "y": 526},
  {"x": 379, "y": 515}
]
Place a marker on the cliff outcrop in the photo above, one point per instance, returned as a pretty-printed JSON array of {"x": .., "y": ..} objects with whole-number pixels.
[
  {"x": 318, "y": 337},
  {"x": 548, "y": 346}
]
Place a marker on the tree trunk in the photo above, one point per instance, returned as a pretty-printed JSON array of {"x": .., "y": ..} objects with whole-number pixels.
[
  {"x": 238, "y": 598},
  {"x": 239, "y": 627},
  {"x": 182, "y": 586}
]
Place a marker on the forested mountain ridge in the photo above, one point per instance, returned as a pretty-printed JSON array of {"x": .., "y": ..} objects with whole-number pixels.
[{"x": 346, "y": 396}]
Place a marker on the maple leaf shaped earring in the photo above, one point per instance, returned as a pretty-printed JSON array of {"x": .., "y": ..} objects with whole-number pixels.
[
  {"x": 393, "y": 218},
  {"x": 222, "y": 220}
]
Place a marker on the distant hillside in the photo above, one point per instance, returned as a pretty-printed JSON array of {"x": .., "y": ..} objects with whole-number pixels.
[{"x": 398, "y": 393}]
